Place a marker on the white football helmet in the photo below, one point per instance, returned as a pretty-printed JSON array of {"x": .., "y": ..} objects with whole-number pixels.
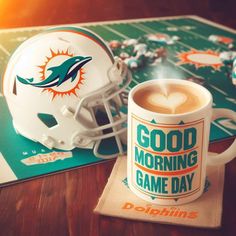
[{"x": 64, "y": 89}]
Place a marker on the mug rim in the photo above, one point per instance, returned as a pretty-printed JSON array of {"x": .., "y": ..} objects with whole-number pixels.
[{"x": 145, "y": 84}]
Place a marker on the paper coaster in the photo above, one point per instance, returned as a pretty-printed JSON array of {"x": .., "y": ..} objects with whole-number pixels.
[{"x": 117, "y": 200}]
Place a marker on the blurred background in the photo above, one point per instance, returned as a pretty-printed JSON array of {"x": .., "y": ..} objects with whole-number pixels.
[{"x": 19, "y": 13}]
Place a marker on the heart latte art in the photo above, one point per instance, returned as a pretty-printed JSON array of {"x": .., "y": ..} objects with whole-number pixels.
[
  {"x": 178, "y": 99},
  {"x": 170, "y": 101}
]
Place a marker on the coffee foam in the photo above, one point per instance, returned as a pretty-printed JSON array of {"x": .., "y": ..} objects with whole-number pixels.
[
  {"x": 175, "y": 99},
  {"x": 170, "y": 101}
]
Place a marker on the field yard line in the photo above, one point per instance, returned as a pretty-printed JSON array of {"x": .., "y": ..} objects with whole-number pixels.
[
  {"x": 115, "y": 32},
  {"x": 126, "y": 37},
  {"x": 199, "y": 22},
  {"x": 233, "y": 100},
  {"x": 195, "y": 75},
  {"x": 211, "y": 23},
  {"x": 143, "y": 28},
  {"x": 219, "y": 90},
  {"x": 4, "y": 50},
  {"x": 222, "y": 128},
  {"x": 123, "y": 36},
  {"x": 146, "y": 29},
  {"x": 195, "y": 34},
  {"x": 186, "y": 70},
  {"x": 134, "y": 80}
]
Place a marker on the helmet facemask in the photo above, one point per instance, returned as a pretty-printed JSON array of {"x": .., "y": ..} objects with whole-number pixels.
[{"x": 108, "y": 113}]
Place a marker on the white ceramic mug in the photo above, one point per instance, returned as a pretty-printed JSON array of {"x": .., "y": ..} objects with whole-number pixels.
[{"x": 159, "y": 175}]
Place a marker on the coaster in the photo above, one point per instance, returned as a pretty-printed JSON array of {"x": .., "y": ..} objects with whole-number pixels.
[{"x": 117, "y": 200}]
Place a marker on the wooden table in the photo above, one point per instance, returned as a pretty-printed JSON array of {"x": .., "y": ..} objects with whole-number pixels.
[{"x": 62, "y": 204}]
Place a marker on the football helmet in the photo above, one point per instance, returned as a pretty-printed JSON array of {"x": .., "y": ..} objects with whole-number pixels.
[{"x": 65, "y": 89}]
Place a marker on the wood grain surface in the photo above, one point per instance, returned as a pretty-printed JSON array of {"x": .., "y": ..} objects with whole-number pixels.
[{"x": 62, "y": 204}]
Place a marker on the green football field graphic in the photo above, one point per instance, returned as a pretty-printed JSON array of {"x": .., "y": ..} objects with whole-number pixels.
[{"x": 193, "y": 33}]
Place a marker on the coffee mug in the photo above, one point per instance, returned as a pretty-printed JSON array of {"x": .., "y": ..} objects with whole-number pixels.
[{"x": 168, "y": 137}]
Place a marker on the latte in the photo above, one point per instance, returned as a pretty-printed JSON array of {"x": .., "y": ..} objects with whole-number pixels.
[{"x": 173, "y": 99}]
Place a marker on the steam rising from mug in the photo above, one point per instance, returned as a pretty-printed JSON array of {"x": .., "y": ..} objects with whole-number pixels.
[{"x": 165, "y": 71}]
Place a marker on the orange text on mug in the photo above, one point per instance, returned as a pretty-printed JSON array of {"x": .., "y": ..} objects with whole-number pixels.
[{"x": 166, "y": 158}]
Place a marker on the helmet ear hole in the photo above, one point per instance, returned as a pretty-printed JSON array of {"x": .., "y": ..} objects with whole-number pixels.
[{"x": 49, "y": 120}]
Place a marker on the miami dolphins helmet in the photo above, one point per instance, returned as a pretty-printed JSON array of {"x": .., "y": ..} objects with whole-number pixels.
[{"x": 65, "y": 89}]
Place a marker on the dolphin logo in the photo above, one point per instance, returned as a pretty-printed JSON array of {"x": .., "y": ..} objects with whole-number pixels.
[{"x": 59, "y": 74}]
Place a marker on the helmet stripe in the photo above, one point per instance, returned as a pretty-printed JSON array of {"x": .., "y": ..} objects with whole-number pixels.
[{"x": 86, "y": 33}]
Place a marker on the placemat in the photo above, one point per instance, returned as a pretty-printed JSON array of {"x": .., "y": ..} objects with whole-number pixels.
[{"x": 117, "y": 200}]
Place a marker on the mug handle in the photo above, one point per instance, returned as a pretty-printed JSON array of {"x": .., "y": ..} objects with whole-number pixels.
[{"x": 230, "y": 153}]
